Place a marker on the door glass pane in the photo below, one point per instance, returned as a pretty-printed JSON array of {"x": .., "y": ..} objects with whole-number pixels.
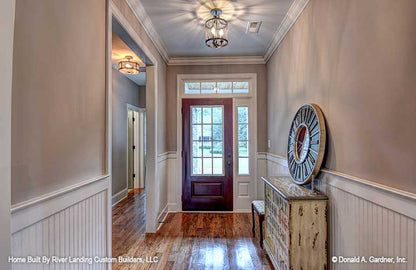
[
  {"x": 217, "y": 115},
  {"x": 197, "y": 166},
  {"x": 196, "y": 116},
  {"x": 217, "y": 132},
  {"x": 207, "y": 140},
  {"x": 196, "y": 149},
  {"x": 217, "y": 149},
  {"x": 207, "y": 149},
  {"x": 207, "y": 132},
  {"x": 206, "y": 115},
  {"x": 217, "y": 166},
  {"x": 196, "y": 132},
  {"x": 207, "y": 166}
]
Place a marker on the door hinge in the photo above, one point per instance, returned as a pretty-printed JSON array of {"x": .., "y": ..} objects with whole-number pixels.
[
  {"x": 134, "y": 147},
  {"x": 134, "y": 175},
  {"x": 134, "y": 119},
  {"x": 182, "y": 110},
  {"x": 182, "y": 153}
]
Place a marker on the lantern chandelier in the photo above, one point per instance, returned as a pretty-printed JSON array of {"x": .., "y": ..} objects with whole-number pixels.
[
  {"x": 128, "y": 66},
  {"x": 216, "y": 30}
]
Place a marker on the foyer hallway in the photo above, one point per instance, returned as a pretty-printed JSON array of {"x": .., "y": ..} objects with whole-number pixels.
[{"x": 185, "y": 240}]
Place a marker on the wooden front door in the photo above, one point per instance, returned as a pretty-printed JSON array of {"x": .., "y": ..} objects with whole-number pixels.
[{"x": 207, "y": 168}]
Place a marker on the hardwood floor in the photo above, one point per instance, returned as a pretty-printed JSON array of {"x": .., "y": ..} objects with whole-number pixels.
[{"x": 185, "y": 240}]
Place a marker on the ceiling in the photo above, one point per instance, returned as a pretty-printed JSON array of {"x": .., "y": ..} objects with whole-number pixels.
[
  {"x": 180, "y": 25},
  {"x": 121, "y": 50}
]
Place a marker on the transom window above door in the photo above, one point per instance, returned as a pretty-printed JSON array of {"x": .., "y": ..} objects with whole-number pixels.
[
  {"x": 207, "y": 140},
  {"x": 217, "y": 87}
]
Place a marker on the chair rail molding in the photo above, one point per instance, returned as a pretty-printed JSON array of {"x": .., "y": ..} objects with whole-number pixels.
[
  {"x": 365, "y": 218},
  {"x": 68, "y": 222}
]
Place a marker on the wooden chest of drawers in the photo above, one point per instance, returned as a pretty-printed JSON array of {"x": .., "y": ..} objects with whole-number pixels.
[{"x": 295, "y": 235}]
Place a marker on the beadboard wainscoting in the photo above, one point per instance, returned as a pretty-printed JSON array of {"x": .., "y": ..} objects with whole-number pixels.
[
  {"x": 69, "y": 222},
  {"x": 366, "y": 219},
  {"x": 162, "y": 186}
]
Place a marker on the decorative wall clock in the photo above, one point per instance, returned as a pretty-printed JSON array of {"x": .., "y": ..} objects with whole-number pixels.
[{"x": 306, "y": 144}]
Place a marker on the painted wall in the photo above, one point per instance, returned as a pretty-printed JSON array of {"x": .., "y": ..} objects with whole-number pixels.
[
  {"x": 357, "y": 60},
  {"x": 58, "y": 102},
  {"x": 172, "y": 73},
  {"x": 142, "y": 96},
  {"x": 7, "y": 9},
  {"x": 124, "y": 92}
]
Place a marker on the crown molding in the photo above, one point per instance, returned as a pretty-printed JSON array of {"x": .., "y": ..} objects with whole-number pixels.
[
  {"x": 291, "y": 16},
  {"x": 229, "y": 60},
  {"x": 141, "y": 15}
]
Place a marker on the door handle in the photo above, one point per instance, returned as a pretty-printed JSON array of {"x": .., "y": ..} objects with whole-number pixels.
[{"x": 229, "y": 163}]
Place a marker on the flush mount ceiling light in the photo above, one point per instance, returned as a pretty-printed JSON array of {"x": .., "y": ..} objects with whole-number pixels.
[
  {"x": 128, "y": 65},
  {"x": 216, "y": 30}
]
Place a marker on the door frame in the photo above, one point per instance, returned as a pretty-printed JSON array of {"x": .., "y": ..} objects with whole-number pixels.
[
  {"x": 152, "y": 83},
  {"x": 138, "y": 110},
  {"x": 7, "y": 11},
  {"x": 176, "y": 206}
]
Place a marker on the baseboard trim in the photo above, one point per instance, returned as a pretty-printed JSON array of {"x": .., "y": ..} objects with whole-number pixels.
[
  {"x": 119, "y": 196},
  {"x": 37, "y": 209}
]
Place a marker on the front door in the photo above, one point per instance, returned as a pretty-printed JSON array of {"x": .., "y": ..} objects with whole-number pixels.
[{"x": 207, "y": 168}]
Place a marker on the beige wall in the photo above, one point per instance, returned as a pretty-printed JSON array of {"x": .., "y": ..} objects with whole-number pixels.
[
  {"x": 58, "y": 102},
  {"x": 357, "y": 60},
  {"x": 124, "y": 92},
  {"x": 172, "y": 73}
]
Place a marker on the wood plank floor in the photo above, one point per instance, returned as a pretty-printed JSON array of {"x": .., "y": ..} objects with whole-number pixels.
[{"x": 185, "y": 240}]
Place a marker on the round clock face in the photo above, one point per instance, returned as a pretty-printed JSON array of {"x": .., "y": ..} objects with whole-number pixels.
[{"x": 306, "y": 143}]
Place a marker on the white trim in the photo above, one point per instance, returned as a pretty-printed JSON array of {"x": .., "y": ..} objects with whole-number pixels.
[
  {"x": 166, "y": 155},
  {"x": 289, "y": 20},
  {"x": 252, "y": 77},
  {"x": 151, "y": 115},
  {"x": 119, "y": 196},
  {"x": 137, "y": 7},
  {"x": 397, "y": 200},
  {"x": 7, "y": 14},
  {"x": 226, "y": 60},
  {"x": 40, "y": 199},
  {"x": 37, "y": 209}
]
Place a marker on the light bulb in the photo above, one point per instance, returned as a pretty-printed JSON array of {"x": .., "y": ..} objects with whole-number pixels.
[
  {"x": 128, "y": 66},
  {"x": 221, "y": 33},
  {"x": 213, "y": 30}
]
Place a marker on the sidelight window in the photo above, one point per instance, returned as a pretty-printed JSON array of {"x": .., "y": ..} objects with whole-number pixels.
[{"x": 243, "y": 141}]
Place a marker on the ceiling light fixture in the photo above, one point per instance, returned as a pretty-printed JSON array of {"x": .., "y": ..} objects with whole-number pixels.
[
  {"x": 128, "y": 66},
  {"x": 216, "y": 30}
]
